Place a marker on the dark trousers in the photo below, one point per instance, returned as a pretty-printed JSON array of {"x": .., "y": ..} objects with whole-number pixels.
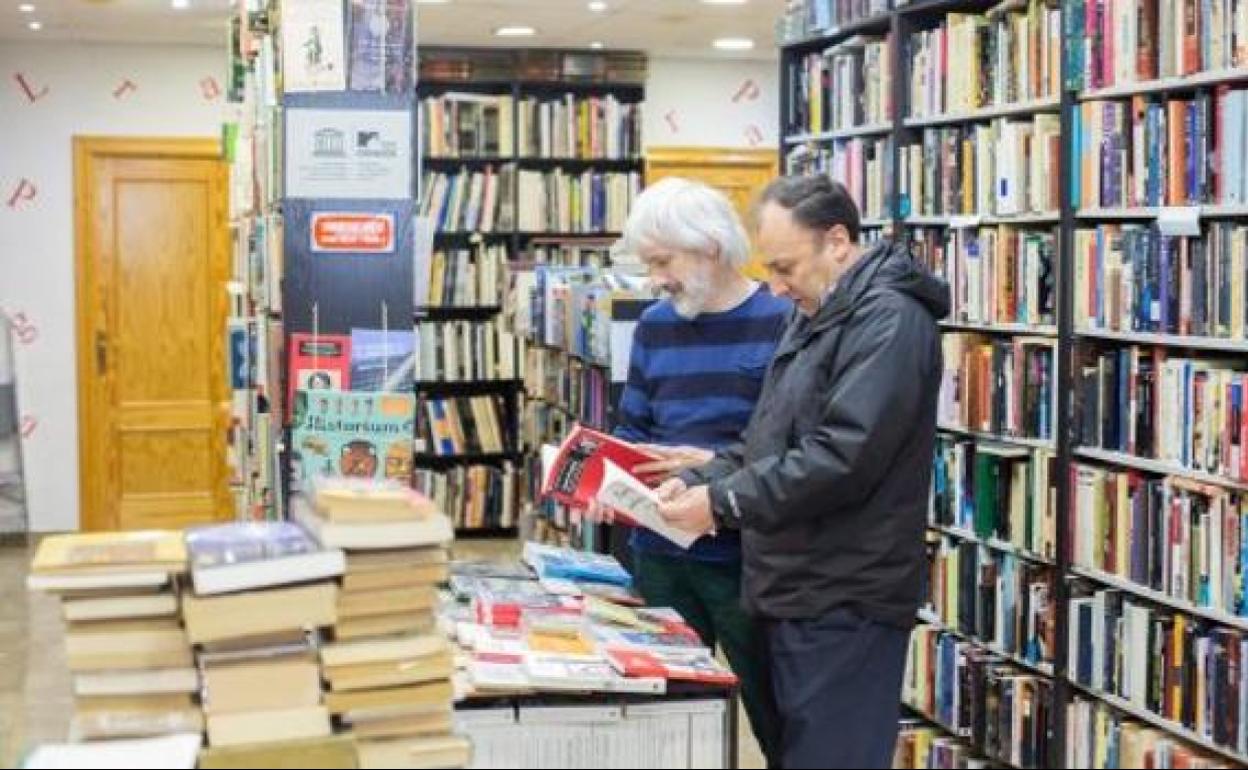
[
  {"x": 708, "y": 596},
  {"x": 837, "y": 685}
]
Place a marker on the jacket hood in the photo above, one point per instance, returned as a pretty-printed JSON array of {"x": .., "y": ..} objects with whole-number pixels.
[{"x": 889, "y": 265}]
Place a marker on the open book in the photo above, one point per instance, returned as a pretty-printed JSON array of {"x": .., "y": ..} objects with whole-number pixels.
[{"x": 590, "y": 465}]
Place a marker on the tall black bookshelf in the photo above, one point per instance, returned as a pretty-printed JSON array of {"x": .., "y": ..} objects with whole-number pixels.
[
  {"x": 1074, "y": 340},
  {"x": 518, "y": 75}
]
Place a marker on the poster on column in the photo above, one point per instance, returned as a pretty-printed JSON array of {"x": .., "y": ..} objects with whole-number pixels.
[{"x": 351, "y": 154}]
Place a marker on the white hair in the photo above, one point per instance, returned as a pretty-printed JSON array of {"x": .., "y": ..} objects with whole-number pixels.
[{"x": 682, "y": 214}]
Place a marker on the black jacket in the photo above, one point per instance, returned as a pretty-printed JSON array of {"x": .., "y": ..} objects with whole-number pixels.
[{"x": 829, "y": 484}]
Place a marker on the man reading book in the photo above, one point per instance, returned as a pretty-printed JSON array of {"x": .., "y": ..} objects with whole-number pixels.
[
  {"x": 829, "y": 485},
  {"x": 696, "y": 369}
]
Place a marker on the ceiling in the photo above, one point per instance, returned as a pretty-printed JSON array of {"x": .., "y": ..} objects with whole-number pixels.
[{"x": 667, "y": 27}]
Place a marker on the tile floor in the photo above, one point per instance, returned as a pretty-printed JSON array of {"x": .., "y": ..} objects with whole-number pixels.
[{"x": 35, "y": 703}]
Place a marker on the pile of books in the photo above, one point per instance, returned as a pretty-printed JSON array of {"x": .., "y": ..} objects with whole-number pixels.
[
  {"x": 131, "y": 661},
  {"x": 554, "y": 631},
  {"x": 387, "y": 670},
  {"x": 262, "y": 591}
]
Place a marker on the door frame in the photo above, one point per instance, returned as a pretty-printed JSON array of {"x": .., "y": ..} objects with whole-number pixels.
[{"x": 86, "y": 150}]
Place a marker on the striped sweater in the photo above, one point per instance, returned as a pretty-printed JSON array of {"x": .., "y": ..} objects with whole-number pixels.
[{"x": 694, "y": 382}]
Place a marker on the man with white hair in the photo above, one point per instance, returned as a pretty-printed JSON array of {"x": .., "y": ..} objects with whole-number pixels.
[{"x": 696, "y": 370}]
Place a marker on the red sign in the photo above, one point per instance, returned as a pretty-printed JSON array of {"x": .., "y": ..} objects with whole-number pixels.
[{"x": 356, "y": 233}]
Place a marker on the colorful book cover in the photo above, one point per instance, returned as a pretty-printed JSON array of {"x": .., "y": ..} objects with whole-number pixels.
[
  {"x": 383, "y": 360},
  {"x": 381, "y": 45},
  {"x": 242, "y": 542},
  {"x": 312, "y": 46},
  {"x": 365, "y": 435},
  {"x": 318, "y": 362}
]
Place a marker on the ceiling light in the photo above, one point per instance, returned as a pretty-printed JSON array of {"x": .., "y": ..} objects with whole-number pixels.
[
  {"x": 596, "y": 45},
  {"x": 26, "y": 8},
  {"x": 35, "y": 26},
  {"x": 181, "y": 5},
  {"x": 515, "y": 31},
  {"x": 734, "y": 44},
  {"x": 598, "y": 6},
  {"x": 725, "y": 2}
]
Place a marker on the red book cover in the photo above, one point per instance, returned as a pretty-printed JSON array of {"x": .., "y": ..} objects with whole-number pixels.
[
  {"x": 318, "y": 362},
  {"x": 577, "y": 471},
  {"x": 684, "y": 668}
]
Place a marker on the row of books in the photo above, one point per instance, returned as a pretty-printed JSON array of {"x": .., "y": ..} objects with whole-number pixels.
[
  {"x": 1002, "y": 710},
  {"x": 581, "y": 389},
  {"x": 923, "y": 747},
  {"x": 1001, "y": 386},
  {"x": 575, "y": 310},
  {"x": 1001, "y": 600},
  {"x": 471, "y": 277},
  {"x": 460, "y": 125},
  {"x": 996, "y": 275},
  {"x": 1184, "y": 411},
  {"x": 589, "y": 202},
  {"x": 842, "y": 87},
  {"x": 862, "y": 165},
  {"x": 570, "y": 254},
  {"x": 1180, "y": 538},
  {"x": 467, "y": 425},
  {"x": 588, "y": 128},
  {"x": 1008, "y": 55},
  {"x": 1005, "y": 167},
  {"x": 1170, "y": 151},
  {"x": 469, "y": 201},
  {"x": 1133, "y": 278},
  {"x": 474, "y": 496},
  {"x": 1099, "y": 736},
  {"x": 464, "y": 351},
  {"x": 1180, "y": 668},
  {"x": 996, "y": 492},
  {"x": 802, "y": 18},
  {"x": 1118, "y": 42}
]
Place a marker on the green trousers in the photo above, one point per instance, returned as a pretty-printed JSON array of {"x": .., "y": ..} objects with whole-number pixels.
[{"x": 708, "y": 596}]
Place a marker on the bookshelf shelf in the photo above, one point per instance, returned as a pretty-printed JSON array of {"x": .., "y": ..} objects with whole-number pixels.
[
  {"x": 871, "y": 129},
  {"x": 1169, "y": 726},
  {"x": 427, "y": 460},
  {"x": 987, "y": 113},
  {"x": 876, "y": 222},
  {"x": 468, "y": 160},
  {"x": 606, "y": 164},
  {"x": 528, "y": 234},
  {"x": 483, "y": 533},
  {"x": 1158, "y": 597},
  {"x": 933, "y": 719},
  {"x": 975, "y": 220},
  {"x": 993, "y": 543},
  {"x": 466, "y": 387},
  {"x": 1169, "y": 340},
  {"x": 1033, "y": 443},
  {"x": 1158, "y": 466},
  {"x": 457, "y": 312},
  {"x": 1043, "y": 669},
  {"x": 1000, "y": 328},
  {"x": 1211, "y": 211},
  {"x": 829, "y": 37},
  {"x": 1184, "y": 83}
]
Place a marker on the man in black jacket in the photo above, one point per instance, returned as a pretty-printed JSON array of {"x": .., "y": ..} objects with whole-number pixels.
[{"x": 829, "y": 484}]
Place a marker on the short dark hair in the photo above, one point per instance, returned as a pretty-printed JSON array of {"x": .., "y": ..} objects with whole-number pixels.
[{"x": 816, "y": 202}]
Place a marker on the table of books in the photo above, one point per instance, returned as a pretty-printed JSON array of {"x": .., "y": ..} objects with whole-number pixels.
[{"x": 555, "y": 669}]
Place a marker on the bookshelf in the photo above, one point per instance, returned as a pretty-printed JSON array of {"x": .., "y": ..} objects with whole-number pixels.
[
  {"x": 543, "y": 122},
  {"x": 1088, "y": 309}
]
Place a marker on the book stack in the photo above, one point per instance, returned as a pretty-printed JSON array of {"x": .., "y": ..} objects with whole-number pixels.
[
  {"x": 261, "y": 591},
  {"x": 127, "y": 651},
  {"x": 389, "y": 674}
]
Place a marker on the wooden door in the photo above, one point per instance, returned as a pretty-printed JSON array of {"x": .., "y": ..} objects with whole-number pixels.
[
  {"x": 152, "y": 260},
  {"x": 739, "y": 174}
]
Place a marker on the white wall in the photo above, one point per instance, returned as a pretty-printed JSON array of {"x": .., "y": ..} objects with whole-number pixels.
[
  {"x": 170, "y": 97},
  {"x": 712, "y": 103}
]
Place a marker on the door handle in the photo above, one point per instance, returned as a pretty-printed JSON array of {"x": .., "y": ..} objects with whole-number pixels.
[{"x": 101, "y": 353}]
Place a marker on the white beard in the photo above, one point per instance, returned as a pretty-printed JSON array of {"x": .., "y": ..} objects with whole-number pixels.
[{"x": 691, "y": 302}]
